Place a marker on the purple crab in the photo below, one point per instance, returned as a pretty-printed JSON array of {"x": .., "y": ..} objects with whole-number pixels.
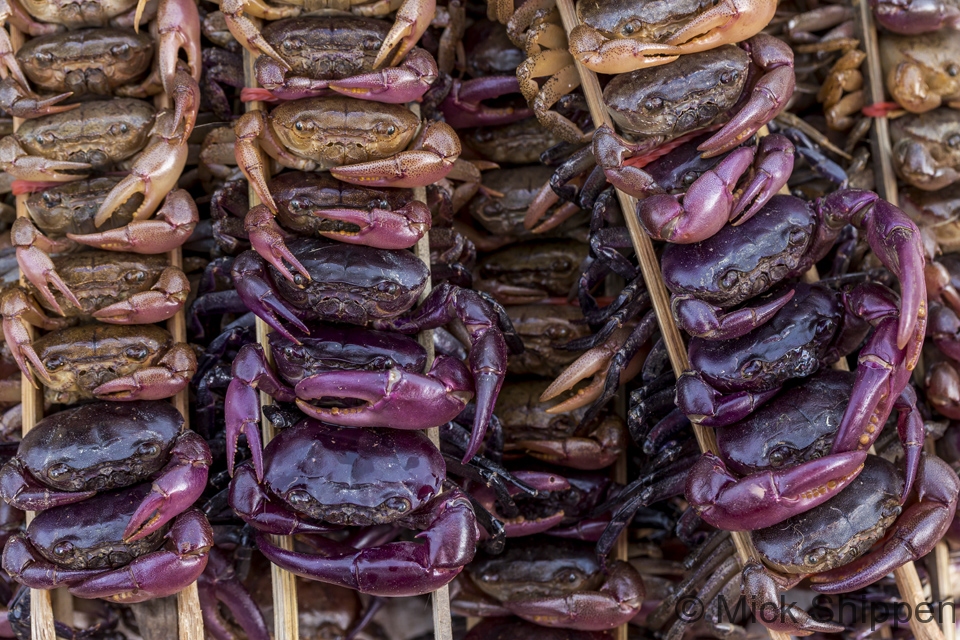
[
  {"x": 916, "y": 16},
  {"x": 83, "y": 546},
  {"x": 362, "y": 285},
  {"x": 75, "y": 454},
  {"x": 380, "y": 369},
  {"x": 320, "y": 478},
  {"x": 793, "y": 454},
  {"x": 708, "y": 280}
]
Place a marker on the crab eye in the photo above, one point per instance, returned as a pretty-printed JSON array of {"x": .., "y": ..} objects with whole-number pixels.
[
  {"x": 728, "y": 76},
  {"x": 729, "y": 279},
  {"x": 54, "y": 363},
  {"x": 954, "y": 141},
  {"x": 292, "y": 44},
  {"x": 797, "y": 236},
  {"x": 137, "y": 353},
  {"x": 120, "y": 51},
  {"x": 815, "y": 557},
  {"x": 653, "y": 104},
  {"x": 953, "y": 69},
  {"x": 631, "y": 28},
  {"x": 118, "y": 129},
  {"x": 135, "y": 277},
  {"x": 778, "y": 456},
  {"x": 299, "y": 280},
  {"x": 751, "y": 368},
  {"x": 298, "y": 125},
  {"x": 45, "y": 139},
  {"x": 391, "y": 130},
  {"x": 558, "y": 333},
  {"x": 57, "y": 471},
  {"x": 689, "y": 178},
  {"x": 50, "y": 198},
  {"x": 561, "y": 265},
  {"x": 63, "y": 549},
  {"x": 569, "y": 576},
  {"x": 148, "y": 450},
  {"x": 293, "y": 354},
  {"x": 43, "y": 59},
  {"x": 396, "y": 503},
  {"x": 389, "y": 288},
  {"x": 298, "y": 497}
]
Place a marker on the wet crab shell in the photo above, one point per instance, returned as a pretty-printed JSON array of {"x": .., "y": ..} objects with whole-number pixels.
[
  {"x": 356, "y": 477},
  {"x": 99, "y": 446},
  {"x": 89, "y": 534},
  {"x": 71, "y": 207},
  {"x": 817, "y": 540}
]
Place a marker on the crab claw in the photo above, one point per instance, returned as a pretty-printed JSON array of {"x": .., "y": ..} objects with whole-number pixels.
[
  {"x": 396, "y": 85},
  {"x": 703, "y": 320},
  {"x": 395, "y": 397},
  {"x": 178, "y": 27},
  {"x": 247, "y": 33},
  {"x": 9, "y": 67},
  {"x": 766, "y": 498},
  {"x": 15, "y": 161},
  {"x": 256, "y": 292},
  {"x": 24, "y": 104},
  {"x": 772, "y": 167},
  {"x": 409, "y": 25},
  {"x": 185, "y": 93},
  {"x": 179, "y": 485},
  {"x": 462, "y": 108},
  {"x": 379, "y": 228},
  {"x": 269, "y": 240},
  {"x": 430, "y": 161},
  {"x": 620, "y": 55},
  {"x": 173, "y": 223},
  {"x": 19, "y": 309},
  {"x": 760, "y": 587},
  {"x": 162, "y": 302},
  {"x": 154, "y": 174},
  {"x": 37, "y": 267},
  {"x": 768, "y": 97},
  {"x": 170, "y": 376}
]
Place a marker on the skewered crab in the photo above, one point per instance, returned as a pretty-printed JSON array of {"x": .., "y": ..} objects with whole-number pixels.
[
  {"x": 77, "y": 453},
  {"x": 926, "y": 148},
  {"x": 922, "y": 71},
  {"x": 82, "y": 546},
  {"x": 314, "y": 481},
  {"x": 916, "y": 16},
  {"x": 361, "y": 285}
]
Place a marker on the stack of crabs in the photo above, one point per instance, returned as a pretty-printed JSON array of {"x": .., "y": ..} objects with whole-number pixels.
[{"x": 401, "y": 218}]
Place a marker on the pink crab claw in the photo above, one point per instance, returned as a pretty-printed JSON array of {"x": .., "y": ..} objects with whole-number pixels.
[
  {"x": 15, "y": 161},
  {"x": 269, "y": 240},
  {"x": 768, "y": 97},
  {"x": 173, "y": 223},
  {"x": 20, "y": 310},
  {"x": 707, "y": 406},
  {"x": 614, "y": 603},
  {"x": 242, "y": 404},
  {"x": 185, "y": 93},
  {"x": 462, "y": 108},
  {"x": 158, "y": 574},
  {"x": 395, "y": 397},
  {"x": 179, "y": 485},
  {"x": 24, "y": 104},
  {"x": 619, "y": 55},
  {"x": 714, "y": 199},
  {"x": 154, "y": 174},
  {"x": 178, "y": 27},
  {"x": 37, "y": 267},
  {"x": 914, "y": 535},
  {"x": 766, "y": 498},
  {"x": 160, "y": 303},
  {"x": 398, "y": 85},
  {"x": 431, "y": 160},
  {"x": 396, "y": 568},
  {"x": 13, "y": 13},
  {"x": 761, "y": 586},
  {"x": 410, "y": 23},
  {"x": 169, "y": 377},
  {"x": 704, "y": 320}
]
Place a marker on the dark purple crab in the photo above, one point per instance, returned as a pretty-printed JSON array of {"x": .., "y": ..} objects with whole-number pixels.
[
  {"x": 916, "y": 16},
  {"x": 82, "y": 546},
  {"x": 320, "y": 477},
  {"x": 817, "y": 326},
  {"x": 794, "y": 454},
  {"x": 75, "y": 454},
  {"x": 708, "y": 280},
  {"x": 362, "y": 285},
  {"x": 381, "y": 370}
]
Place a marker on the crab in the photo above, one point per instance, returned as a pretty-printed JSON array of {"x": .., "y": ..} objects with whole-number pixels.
[
  {"x": 313, "y": 483},
  {"x": 336, "y": 53},
  {"x": 360, "y": 142},
  {"x": 383, "y": 370},
  {"x": 926, "y": 149},
  {"x": 82, "y": 546},
  {"x": 77, "y": 453},
  {"x": 911, "y": 17},
  {"x": 921, "y": 71},
  {"x": 614, "y": 37},
  {"x": 361, "y": 285}
]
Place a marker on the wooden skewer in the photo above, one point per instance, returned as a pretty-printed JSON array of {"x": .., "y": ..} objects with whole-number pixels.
[
  {"x": 650, "y": 268},
  {"x": 908, "y": 582},
  {"x": 286, "y": 623}
]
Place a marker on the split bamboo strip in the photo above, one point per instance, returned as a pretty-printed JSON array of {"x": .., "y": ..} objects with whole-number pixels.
[
  {"x": 650, "y": 268},
  {"x": 908, "y": 582},
  {"x": 286, "y": 624},
  {"x": 31, "y": 400}
]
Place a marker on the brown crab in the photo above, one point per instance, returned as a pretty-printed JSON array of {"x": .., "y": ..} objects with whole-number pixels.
[{"x": 922, "y": 72}]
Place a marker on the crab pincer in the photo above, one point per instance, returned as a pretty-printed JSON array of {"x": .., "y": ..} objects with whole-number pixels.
[
  {"x": 170, "y": 227},
  {"x": 169, "y": 376},
  {"x": 396, "y": 84},
  {"x": 411, "y": 22},
  {"x": 21, "y": 103},
  {"x": 178, "y": 27},
  {"x": 32, "y": 249}
]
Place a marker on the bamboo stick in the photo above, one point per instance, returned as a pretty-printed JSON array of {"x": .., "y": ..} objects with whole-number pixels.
[
  {"x": 31, "y": 399},
  {"x": 286, "y": 623},
  {"x": 650, "y": 268}
]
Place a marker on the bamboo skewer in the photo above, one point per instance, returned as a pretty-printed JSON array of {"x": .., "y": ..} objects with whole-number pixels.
[{"x": 286, "y": 624}]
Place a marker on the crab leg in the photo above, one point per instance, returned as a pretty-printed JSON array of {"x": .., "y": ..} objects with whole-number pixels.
[
  {"x": 173, "y": 223},
  {"x": 162, "y": 302},
  {"x": 15, "y": 161},
  {"x": 178, "y": 26},
  {"x": 411, "y": 22},
  {"x": 220, "y": 585},
  {"x": 21, "y": 490},
  {"x": 180, "y": 484},
  {"x": 431, "y": 160},
  {"x": 703, "y": 320},
  {"x": 32, "y": 249},
  {"x": 247, "y": 33},
  {"x": 158, "y": 574},
  {"x": 401, "y": 399},
  {"x": 914, "y": 535},
  {"x": 256, "y": 293},
  {"x": 21, "y": 103},
  {"x": 760, "y": 587},
  {"x": 396, "y": 568},
  {"x": 463, "y": 108},
  {"x": 18, "y": 311},
  {"x": 766, "y": 498},
  {"x": 170, "y": 377}
]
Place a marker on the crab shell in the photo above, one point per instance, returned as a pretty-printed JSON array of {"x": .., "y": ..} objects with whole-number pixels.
[{"x": 357, "y": 477}]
